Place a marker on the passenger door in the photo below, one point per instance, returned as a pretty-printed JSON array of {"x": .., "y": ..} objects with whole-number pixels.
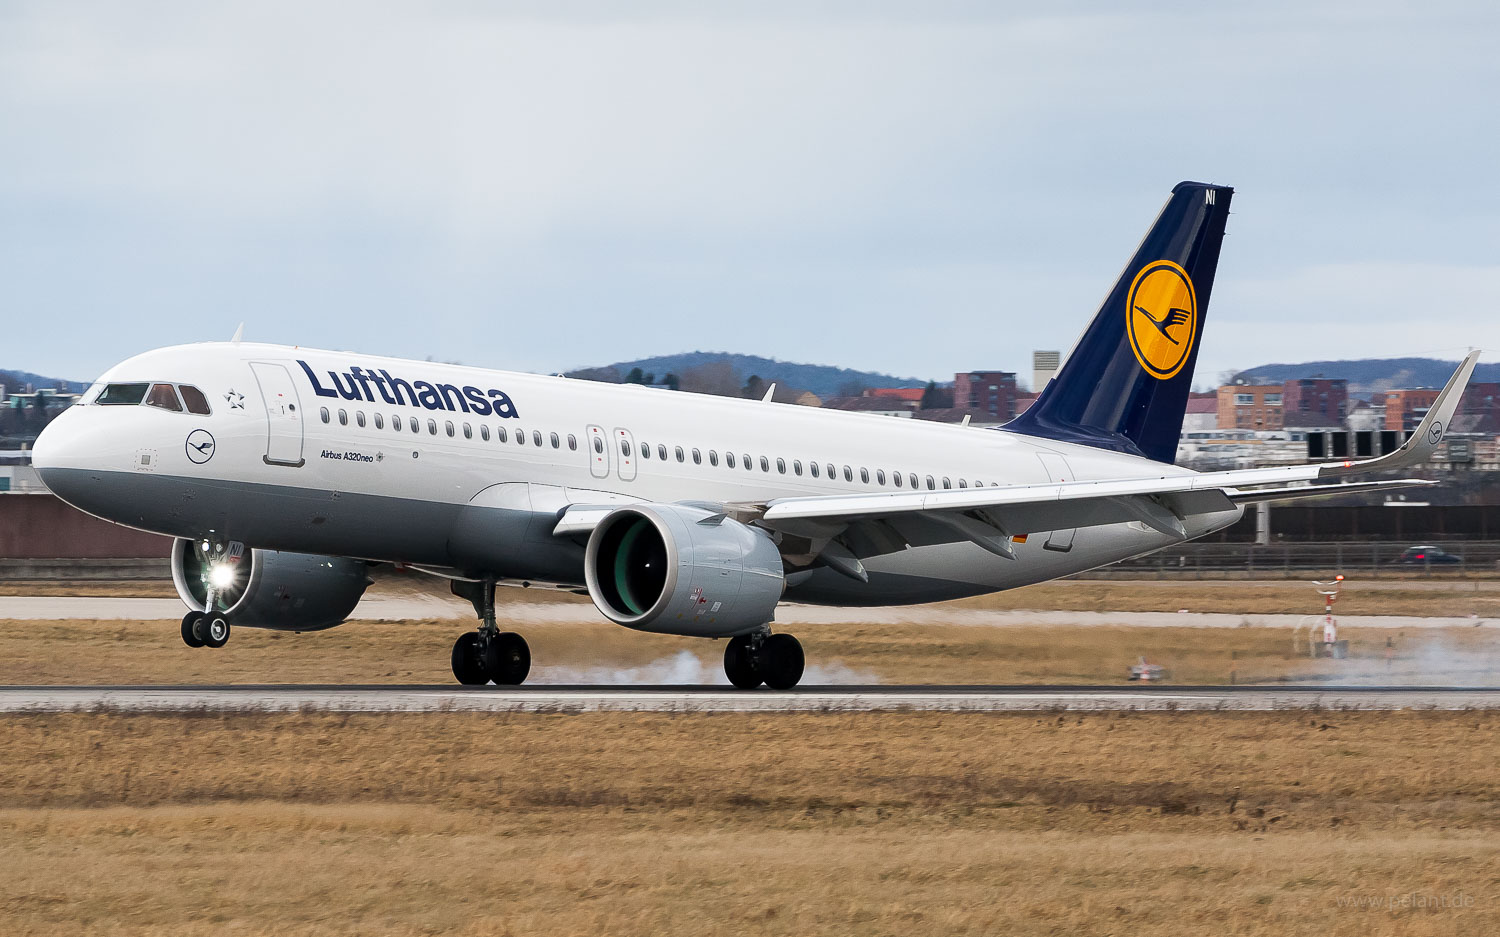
[
  {"x": 283, "y": 414},
  {"x": 1056, "y": 467},
  {"x": 625, "y": 442}
]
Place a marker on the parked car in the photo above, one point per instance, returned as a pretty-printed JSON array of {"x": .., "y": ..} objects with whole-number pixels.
[{"x": 1427, "y": 555}]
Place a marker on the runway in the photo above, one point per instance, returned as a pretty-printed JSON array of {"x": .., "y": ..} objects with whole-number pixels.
[{"x": 693, "y": 699}]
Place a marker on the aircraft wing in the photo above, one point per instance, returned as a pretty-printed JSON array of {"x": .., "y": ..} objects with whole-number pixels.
[{"x": 991, "y": 516}]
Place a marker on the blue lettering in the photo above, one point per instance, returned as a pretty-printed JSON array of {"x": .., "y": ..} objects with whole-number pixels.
[
  {"x": 477, "y": 403},
  {"x": 428, "y": 395},
  {"x": 503, "y": 407},
  {"x": 318, "y": 389},
  {"x": 451, "y": 394}
]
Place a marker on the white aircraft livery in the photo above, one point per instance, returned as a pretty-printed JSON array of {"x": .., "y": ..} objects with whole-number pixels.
[{"x": 285, "y": 472}]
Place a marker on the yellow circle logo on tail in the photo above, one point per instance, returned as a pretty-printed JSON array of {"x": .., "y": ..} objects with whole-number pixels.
[{"x": 1161, "y": 318}]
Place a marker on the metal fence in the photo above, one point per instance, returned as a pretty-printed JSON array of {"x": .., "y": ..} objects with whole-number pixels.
[{"x": 1373, "y": 559}]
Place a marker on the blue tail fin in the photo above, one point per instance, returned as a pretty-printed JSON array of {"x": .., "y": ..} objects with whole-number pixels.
[{"x": 1125, "y": 384}]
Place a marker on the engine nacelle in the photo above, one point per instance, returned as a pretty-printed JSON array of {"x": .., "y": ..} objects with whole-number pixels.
[
  {"x": 269, "y": 589},
  {"x": 677, "y": 569}
]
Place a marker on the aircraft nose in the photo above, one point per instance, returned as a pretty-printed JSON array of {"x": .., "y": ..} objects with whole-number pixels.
[{"x": 57, "y": 451}]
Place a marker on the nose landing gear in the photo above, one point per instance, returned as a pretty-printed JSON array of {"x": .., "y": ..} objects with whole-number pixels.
[
  {"x": 489, "y": 654},
  {"x": 761, "y": 657}
]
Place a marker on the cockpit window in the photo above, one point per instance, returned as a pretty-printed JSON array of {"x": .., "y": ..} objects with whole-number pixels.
[
  {"x": 162, "y": 395},
  {"x": 123, "y": 395},
  {"x": 193, "y": 397}
]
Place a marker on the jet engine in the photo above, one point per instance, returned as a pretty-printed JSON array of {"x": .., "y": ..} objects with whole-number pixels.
[
  {"x": 682, "y": 569},
  {"x": 269, "y": 589}
]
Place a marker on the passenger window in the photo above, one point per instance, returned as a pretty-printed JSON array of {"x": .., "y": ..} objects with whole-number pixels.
[
  {"x": 697, "y": 457},
  {"x": 449, "y": 426},
  {"x": 896, "y": 477},
  {"x": 645, "y": 450},
  {"x": 749, "y": 466},
  {"x": 163, "y": 396},
  {"x": 379, "y": 421},
  {"x": 848, "y": 474},
  {"x": 781, "y": 466},
  {"x": 536, "y": 438},
  {"x": 468, "y": 431},
  {"x": 359, "y": 417},
  {"x": 501, "y": 435},
  {"x": 864, "y": 475},
  {"x": 962, "y": 483},
  {"x": 661, "y": 452},
  {"x": 713, "y": 458},
  {"x": 931, "y": 485},
  {"x": 946, "y": 483},
  {"x": 680, "y": 456},
  {"x": 572, "y": 442},
  {"x": 484, "y": 432},
  {"x": 556, "y": 443},
  {"x": 343, "y": 417},
  {"x": 765, "y": 464},
  {"x": 396, "y": 422},
  {"x": 813, "y": 467},
  {"x": 625, "y": 448},
  {"x": 193, "y": 397},
  {"x": 729, "y": 459},
  {"x": 323, "y": 412},
  {"x": 797, "y": 466},
  {"x": 432, "y": 427},
  {"x": 833, "y": 472},
  {"x": 880, "y": 476},
  {"x": 913, "y": 479},
  {"x": 598, "y": 445},
  {"x": 122, "y": 395}
]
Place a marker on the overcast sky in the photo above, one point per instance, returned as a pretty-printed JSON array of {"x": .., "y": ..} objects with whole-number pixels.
[{"x": 913, "y": 188}]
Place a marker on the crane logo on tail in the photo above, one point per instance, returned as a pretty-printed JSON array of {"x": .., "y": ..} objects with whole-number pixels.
[{"x": 1161, "y": 318}]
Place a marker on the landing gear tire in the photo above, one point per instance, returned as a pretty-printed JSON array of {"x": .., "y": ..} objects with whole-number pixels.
[
  {"x": 779, "y": 661},
  {"x": 189, "y": 629},
  {"x": 506, "y": 659},
  {"x": 739, "y": 663},
  {"x": 213, "y": 629},
  {"x": 467, "y": 666}
]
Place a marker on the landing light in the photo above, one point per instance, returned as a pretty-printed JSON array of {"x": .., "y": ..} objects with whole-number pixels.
[{"x": 222, "y": 576}]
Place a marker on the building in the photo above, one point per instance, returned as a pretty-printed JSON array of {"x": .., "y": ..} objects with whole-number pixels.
[
  {"x": 1365, "y": 417},
  {"x": 1404, "y": 409},
  {"x": 912, "y": 394},
  {"x": 1202, "y": 413},
  {"x": 994, "y": 392},
  {"x": 1250, "y": 406},
  {"x": 881, "y": 406},
  {"x": 1044, "y": 366},
  {"x": 1023, "y": 401},
  {"x": 1315, "y": 402}
]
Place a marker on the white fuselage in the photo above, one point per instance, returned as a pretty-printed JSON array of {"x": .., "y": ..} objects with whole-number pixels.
[{"x": 306, "y": 456}]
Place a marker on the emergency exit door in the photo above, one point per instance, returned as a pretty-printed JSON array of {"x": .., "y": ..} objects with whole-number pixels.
[{"x": 283, "y": 414}]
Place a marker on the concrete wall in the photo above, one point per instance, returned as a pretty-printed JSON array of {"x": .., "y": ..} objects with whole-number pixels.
[{"x": 38, "y": 525}]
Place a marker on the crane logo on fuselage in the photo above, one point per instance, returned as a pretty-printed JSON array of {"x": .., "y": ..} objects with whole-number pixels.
[
  {"x": 1161, "y": 318},
  {"x": 356, "y": 384}
]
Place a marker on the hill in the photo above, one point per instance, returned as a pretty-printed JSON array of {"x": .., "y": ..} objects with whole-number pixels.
[
  {"x": 1369, "y": 375},
  {"x": 823, "y": 380},
  {"x": 16, "y": 381}
]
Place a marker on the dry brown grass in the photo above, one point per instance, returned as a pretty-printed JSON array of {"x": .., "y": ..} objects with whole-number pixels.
[
  {"x": 151, "y": 652},
  {"x": 795, "y": 824}
]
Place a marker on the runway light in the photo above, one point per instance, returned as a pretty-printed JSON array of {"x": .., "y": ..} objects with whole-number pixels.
[{"x": 222, "y": 576}]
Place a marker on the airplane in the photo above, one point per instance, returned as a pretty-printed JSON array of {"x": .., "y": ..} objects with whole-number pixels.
[{"x": 283, "y": 473}]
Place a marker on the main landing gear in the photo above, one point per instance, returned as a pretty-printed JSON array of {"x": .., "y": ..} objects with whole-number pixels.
[
  {"x": 489, "y": 654},
  {"x": 762, "y": 657},
  {"x": 204, "y": 630}
]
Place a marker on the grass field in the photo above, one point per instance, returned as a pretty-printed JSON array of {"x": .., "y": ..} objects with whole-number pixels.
[{"x": 1141, "y": 824}]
